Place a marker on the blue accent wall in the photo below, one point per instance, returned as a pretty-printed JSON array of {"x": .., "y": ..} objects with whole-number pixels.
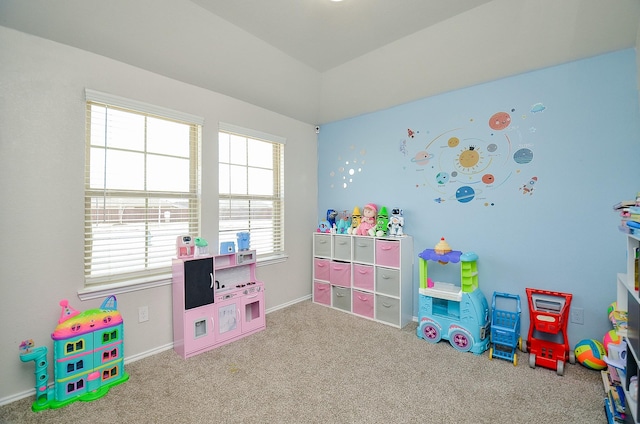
[{"x": 524, "y": 171}]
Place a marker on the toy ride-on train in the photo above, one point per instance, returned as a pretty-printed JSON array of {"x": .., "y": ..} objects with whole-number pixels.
[{"x": 459, "y": 314}]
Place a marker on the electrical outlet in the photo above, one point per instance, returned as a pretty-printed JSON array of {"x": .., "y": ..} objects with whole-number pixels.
[
  {"x": 577, "y": 315},
  {"x": 143, "y": 313}
]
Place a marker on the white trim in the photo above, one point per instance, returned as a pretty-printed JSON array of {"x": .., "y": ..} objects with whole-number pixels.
[
  {"x": 285, "y": 305},
  {"x": 103, "y": 290},
  {"x": 113, "y": 100},
  {"x": 271, "y": 260},
  {"x": 148, "y": 353},
  {"x": 246, "y": 132}
]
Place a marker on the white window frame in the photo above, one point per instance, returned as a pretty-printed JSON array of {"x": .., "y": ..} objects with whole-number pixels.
[
  {"x": 258, "y": 243},
  {"x": 157, "y": 275}
]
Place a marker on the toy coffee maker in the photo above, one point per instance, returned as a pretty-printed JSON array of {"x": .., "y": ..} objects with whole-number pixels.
[{"x": 185, "y": 247}]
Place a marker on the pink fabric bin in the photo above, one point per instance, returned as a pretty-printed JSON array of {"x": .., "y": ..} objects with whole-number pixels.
[
  {"x": 363, "y": 303},
  {"x": 388, "y": 253},
  {"x": 322, "y": 293},
  {"x": 363, "y": 276},
  {"x": 340, "y": 273},
  {"x": 321, "y": 269}
]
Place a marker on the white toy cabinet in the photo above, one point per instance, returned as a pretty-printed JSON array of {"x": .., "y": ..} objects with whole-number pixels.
[{"x": 371, "y": 277}]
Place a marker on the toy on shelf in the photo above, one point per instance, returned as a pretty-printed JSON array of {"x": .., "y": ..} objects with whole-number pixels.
[
  {"x": 185, "y": 247},
  {"x": 459, "y": 314},
  {"x": 344, "y": 223},
  {"x": 88, "y": 356},
  {"x": 324, "y": 227},
  {"x": 505, "y": 326},
  {"x": 382, "y": 222},
  {"x": 547, "y": 342},
  {"x": 368, "y": 220},
  {"x": 227, "y": 247},
  {"x": 244, "y": 240},
  {"x": 331, "y": 219},
  {"x": 202, "y": 247},
  {"x": 355, "y": 220},
  {"x": 396, "y": 222}
]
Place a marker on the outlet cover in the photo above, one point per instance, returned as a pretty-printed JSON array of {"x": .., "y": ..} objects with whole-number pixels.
[
  {"x": 143, "y": 313},
  {"x": 577, "y": 315}
]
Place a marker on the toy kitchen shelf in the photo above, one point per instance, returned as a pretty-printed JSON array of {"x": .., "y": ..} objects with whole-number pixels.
[
  {"x": 370, "y": 277},
  {"x": 216, "y": 300},
  {"x": 628, "y": 300}
]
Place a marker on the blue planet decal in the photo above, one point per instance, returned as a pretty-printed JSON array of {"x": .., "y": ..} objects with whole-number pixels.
[
  {"x": 442, "y": 177},
  {"x": 465, "y": 194},
  {"x": 523, "y": 156}
]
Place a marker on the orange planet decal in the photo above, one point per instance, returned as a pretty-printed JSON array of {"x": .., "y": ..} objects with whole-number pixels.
[{"x": 499, "y": 121}]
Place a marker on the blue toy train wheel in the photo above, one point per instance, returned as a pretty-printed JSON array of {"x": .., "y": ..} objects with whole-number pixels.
[
  {"x": 461, "y": 340},
  {"x": 430, "y": 332}
]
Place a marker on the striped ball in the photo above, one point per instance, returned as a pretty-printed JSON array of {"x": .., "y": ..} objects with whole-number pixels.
[
  {"x": 591, "y": 353},
  {"x": 610, "y": 338}
]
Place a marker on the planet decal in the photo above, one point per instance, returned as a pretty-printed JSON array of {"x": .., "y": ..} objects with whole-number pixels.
[
  {"x": 492, "y": 147},
  {"x": 499, "y": 121},
  {"x": 453, "y": 142},
  {"x": 442, "y": 177},
  {"x": 523, "y": 156},
  {"x": 465, "y": 194},
  {"x": 488, "y": 179},
  {"x": 422, "y": 158}
]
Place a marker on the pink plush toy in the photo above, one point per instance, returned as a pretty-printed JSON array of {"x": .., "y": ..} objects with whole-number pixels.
[{"x": 368, "y": 221}]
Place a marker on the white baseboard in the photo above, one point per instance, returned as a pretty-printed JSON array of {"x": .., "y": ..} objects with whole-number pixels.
[
  {"x": 141, "y": 355},
  {"x": 284, "y": 305}
]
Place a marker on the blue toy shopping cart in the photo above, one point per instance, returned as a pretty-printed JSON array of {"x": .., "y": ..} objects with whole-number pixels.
[{"x": 505, "y": 326}]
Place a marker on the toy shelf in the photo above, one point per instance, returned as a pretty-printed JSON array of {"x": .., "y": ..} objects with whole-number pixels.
[{"x": 628, "y": 300}]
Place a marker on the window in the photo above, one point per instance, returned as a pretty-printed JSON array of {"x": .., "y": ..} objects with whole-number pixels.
[
  {"x": 141, "y": 188},
  {"x": 251, "y": 188}
]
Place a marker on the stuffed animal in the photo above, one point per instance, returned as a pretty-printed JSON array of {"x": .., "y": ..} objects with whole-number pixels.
[
  {"x": 355, "y": 220},
  {"x": 396, "y": 222},
  {"x": 368, "y": 221},
  {"x": 382, "y": 222},
  {"x": 344, "y": 223},
  {"x": 331, "y": 217}
]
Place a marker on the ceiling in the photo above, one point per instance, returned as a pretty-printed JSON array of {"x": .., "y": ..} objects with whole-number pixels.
[
  {"x": 324, "y": 34},
  {"x": 319, "y": 61}
]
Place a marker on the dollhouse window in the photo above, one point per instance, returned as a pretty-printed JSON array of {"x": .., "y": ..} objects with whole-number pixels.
[
  {"x": 251, "y": 188},
  {"x": 141, "y": 188},
  {"x": 73, "y": 347}
]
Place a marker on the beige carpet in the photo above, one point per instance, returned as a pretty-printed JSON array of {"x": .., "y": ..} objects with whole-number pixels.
[{"x": 317, "y": 365}]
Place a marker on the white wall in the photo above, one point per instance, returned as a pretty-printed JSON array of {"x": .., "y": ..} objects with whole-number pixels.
[{"x": 42, "y": 144}]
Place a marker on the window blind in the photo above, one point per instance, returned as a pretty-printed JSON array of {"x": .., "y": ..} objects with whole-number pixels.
[
  {"x": 142, "y": 188},
  {"x": 251, "y": 188}
]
